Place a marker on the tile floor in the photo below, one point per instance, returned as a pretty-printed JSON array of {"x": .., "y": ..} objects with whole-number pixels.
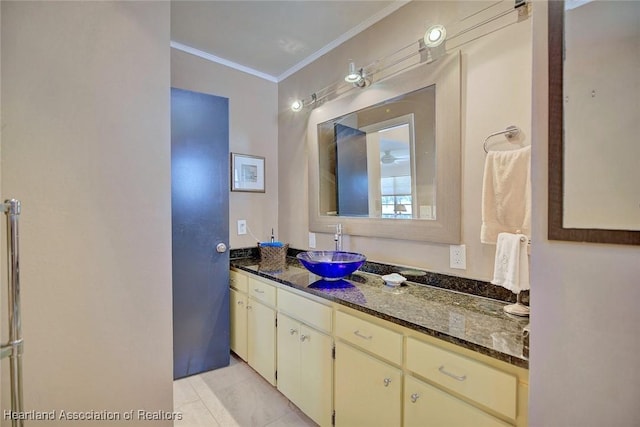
[{"x": 234, "y": 396}]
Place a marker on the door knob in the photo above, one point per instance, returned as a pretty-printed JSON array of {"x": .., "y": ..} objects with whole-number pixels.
[{"x": 221, "y": 248}]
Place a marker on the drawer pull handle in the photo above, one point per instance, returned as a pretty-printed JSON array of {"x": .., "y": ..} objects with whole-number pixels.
[
  {"x": 258, "y": 291},
  {"x": 454, "y": 376},
  {"x": 304, "y": 337},
  {"x": 366, "y": 337},
  {"x": 414, "y": 397},
  {"x": 386, "y": 382},
  {"x": 240, "y": 302},
  {"x": 293, "y": 331}
]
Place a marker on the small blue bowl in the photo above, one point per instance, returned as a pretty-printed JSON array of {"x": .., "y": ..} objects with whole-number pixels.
[{"x": 331, "y": 265}]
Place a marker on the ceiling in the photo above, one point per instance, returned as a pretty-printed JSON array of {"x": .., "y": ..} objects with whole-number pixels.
[{"x": 270, "y": 39}]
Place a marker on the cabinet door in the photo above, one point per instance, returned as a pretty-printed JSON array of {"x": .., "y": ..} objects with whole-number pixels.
[
  {"x": 367, "y": 390},
  {"x": 238, "y": 310},
  {"x": 427, "y": 406},
  {"x": 262, "y": 339},
  {"x": 289, "y": 358},
  {"x": 316, "y": 375}
]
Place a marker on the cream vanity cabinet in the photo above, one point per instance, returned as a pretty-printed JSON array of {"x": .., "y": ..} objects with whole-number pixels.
[
  {"x": 238, "y": 300},
  {"x": 388, "y": 375},
  {"x": 305, "y": 364},
  {"x": 427, "y": 405},
  {"x": 261, "y": 329},
  {"x": 368, "y": 381},
  {"x": 383, "y": 374},
  {"x": 457, "y": 390}
]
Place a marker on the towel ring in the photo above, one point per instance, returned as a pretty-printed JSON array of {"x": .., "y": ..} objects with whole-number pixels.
[{"x": 510, "y": 132}]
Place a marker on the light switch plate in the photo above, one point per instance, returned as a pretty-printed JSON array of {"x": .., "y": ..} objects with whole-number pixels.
[
  {"x": 458, "y": 257},
  {"x": 242, "y": 226},
  {"x": 312, "y": 240}
]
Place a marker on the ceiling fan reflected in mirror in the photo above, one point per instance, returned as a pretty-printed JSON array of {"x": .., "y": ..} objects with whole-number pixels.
[{"x": 387, "y": 158}]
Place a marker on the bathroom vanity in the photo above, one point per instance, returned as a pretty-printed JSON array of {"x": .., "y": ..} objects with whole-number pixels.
[{"x": 357, "y": 352}]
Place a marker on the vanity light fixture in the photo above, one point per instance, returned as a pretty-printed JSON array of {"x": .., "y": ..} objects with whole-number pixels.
[
  {"x": 354, "y": 76},
  {"x": 364, "y": 81},
  {"x": 431, "y": 47},
  {"x": 435, "y": 35},
  {"x": 297, "y": 105},
  {"x": 357, "y": 77}
]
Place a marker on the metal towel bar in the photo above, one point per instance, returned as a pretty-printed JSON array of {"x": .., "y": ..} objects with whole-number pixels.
[
  {"x": 510, "y": 132},
  {"x": 13, "y": 349}
]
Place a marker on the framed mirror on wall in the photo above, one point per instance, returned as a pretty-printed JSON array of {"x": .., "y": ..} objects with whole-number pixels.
[
  {"x": 594, "y": 121},
  {"x": 379, "y": 162},
  {"x": 385, "y": 161}
]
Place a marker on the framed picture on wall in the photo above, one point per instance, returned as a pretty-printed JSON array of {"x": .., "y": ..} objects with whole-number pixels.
[{"x": 247, "y": 173}]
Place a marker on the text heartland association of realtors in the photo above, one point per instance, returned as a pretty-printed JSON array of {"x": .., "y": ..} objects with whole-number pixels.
[{"x": 133, "y": 414}]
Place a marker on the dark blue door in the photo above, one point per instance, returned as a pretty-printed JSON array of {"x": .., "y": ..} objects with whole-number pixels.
[{"x": 200, "y": 222}]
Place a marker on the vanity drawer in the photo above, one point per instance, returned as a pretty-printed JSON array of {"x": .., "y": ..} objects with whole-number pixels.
[
  {"x": 262, "y": 291},
  {"x": 303, "y": 309},
  {"x": 376, "y": 339},
  {"x": 238, "y": 281},
  {"x": 488, "y": 386}
]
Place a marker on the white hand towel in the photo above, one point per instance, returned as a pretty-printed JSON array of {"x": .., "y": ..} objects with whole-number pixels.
[
  {"x": 511, "y": 268},
  {"x": 506, "y": 194}
]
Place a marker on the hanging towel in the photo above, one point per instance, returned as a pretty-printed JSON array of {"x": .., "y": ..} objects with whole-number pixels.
[
  {"x": 511, "y": 268},
  {"x": 506, "y": 194}
]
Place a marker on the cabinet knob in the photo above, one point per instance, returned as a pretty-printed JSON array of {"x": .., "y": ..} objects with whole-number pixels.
[
  {"x": 414, "y": 397},
  {"x": 304, "y": 337},
  {"x": 249, "y": 307},
  {"x": 386, "y": 382},
  {"x": 293, "y": 331}
]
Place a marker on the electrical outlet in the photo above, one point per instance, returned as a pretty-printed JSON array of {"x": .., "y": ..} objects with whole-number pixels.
[
  {"x": 242, "y": 226},
  {"x": 312, "y": 240},
  {"x": 458, "y": 257}
]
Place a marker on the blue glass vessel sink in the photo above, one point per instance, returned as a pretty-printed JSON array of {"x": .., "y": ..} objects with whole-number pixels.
[{"x": 331, "y": 265}]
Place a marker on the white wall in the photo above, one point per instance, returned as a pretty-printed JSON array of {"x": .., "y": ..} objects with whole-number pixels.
[
  {"x": 253, "y": 129},
  {"x": 584, "y": 325},
  {"x": 496, "y": 92},
  {"x": 86, "y": 147}
]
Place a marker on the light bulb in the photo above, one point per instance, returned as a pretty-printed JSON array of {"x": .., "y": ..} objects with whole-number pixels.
[
  {"x": 435, "y": 35},
  {"x": 297, "y": 105},
  {"x": 353, "y": 76}
]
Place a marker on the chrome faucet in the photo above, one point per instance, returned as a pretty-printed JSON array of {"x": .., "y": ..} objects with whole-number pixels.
[{"x": 338, "y": 237}]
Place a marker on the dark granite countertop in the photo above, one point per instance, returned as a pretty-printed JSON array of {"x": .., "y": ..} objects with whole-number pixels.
[{"x": 473, "y": 322}]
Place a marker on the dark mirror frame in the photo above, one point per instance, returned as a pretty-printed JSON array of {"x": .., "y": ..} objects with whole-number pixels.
[{"x": 556, "y": 231}]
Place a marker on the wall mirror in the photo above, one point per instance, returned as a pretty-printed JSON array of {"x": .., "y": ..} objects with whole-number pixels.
[
  {"x": 594, "y": 112},
  {"x": 385, "y": 161}
]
